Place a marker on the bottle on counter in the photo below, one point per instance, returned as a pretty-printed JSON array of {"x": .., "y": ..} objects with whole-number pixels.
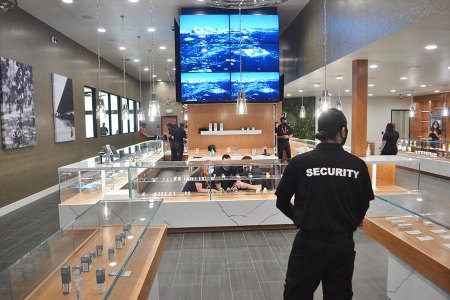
[{"x": 368, "y": 151}]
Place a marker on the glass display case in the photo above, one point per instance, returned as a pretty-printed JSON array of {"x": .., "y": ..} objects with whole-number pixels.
[
  {"x": 299, "y": 146},
  {"x": 425, "y": 148},
  {"x": 415, "y": 228},
  {"x": 107, "y": 235}
]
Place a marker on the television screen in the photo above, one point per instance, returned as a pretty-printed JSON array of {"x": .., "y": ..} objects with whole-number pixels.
[
  {"x": 205, "y": 87},
  {"x": 255, "y": 58},
  {"x": 255, "y": 29},
  {"x": 205, "y": 58},
  {"x": 204, "y": 29},
  {"x": 262, "y": 86}
]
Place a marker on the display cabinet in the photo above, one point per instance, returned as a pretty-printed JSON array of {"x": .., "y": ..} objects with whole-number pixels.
[
  {"x": 415, "y": 228},
  {"x": 426, "y": 148},
  {"x": 108, "y": 239}
]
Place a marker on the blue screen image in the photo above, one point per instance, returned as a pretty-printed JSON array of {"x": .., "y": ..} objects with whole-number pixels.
[
  {"x": 259, "y": 29},
  {"x": 205, "y": 87},
  {"x": 203, "y": 29},
  {"x": 255, "y": 57},
  {"x": 261, "y": 86},
  {"x": 205, "y": 58}
]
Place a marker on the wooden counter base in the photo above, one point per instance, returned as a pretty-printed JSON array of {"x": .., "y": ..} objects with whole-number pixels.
[
  {"x": 143, "y": 264},
  {"x": 430, "y": 258}
]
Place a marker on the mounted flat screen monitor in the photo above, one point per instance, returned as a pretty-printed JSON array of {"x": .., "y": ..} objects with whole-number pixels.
[{"x": 211, "y": 48}]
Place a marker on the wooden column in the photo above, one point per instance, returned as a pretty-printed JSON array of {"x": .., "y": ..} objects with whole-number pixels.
[{"x": 359, "y": 106}]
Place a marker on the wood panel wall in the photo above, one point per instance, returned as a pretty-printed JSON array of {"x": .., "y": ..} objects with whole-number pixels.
[
  {"x": 260, "y": 115},
  {"x": 419, "y": 125}
]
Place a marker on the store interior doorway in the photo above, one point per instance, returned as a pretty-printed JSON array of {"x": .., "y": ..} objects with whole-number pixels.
[{"x": 400, "y": 118}]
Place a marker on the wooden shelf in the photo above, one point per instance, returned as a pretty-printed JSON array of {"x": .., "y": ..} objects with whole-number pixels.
[{"x": 231, "y": 132}]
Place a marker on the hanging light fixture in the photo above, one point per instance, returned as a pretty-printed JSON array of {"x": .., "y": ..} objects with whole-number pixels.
[
  {"x": 325, "y": 96},
  {"x": 125, "y": 111},
  {"x": 141, "y": 114},
  {"x": 6, "y": 5},
  {"x": 100, "y": 109},
  {"x": 241, "y": 103},
  {"x": 302, "y": 113},
  {"x": 412, "y": 108},
  {"x": 241, "y": 3},
  {"x": 153, "y": 104},
  {"x": 338, "y": 101},
  {"x": 445, "y": 105},
  {"x": 185, "y": 114}
]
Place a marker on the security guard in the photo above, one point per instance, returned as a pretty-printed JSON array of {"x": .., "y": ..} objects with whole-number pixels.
[
  {"x": 284, "y": 132},
  {"x": 332, "y": 192}
]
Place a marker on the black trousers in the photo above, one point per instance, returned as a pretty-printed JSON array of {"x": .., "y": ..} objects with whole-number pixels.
[
  {"x": 173, "y": 151},
  {"x": 314, "y": 259},
  {"x": 179, "y": 148},
  {"x": 284, "y": 146}
]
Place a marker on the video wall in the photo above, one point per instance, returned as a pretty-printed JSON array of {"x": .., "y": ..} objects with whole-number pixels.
[{"x": 213, "y": 48}]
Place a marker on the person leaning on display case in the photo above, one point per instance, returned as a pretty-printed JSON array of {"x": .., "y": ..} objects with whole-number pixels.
[
  {"x": 435, "y": 132},
  {"x": 252, "y": 172},
  {"x": 199, "y": 182},
  {"x": 389, "y": 140},
  {"x": 143, "y": 135},
  {"x": 226, "y": 171},
  {"x": 284, "y": 132},
  {"x": 332, "y": 191}
]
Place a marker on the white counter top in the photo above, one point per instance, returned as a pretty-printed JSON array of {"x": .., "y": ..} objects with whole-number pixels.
[
  {"x": 387, "y": 159},
  {"x": 233, "y": 157}
]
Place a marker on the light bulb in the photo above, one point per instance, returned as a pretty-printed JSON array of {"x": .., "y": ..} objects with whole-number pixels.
[{"x": 302, "y": 114}]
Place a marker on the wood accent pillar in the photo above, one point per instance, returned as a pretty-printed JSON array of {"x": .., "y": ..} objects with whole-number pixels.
[{"x": 359, "y": 106}]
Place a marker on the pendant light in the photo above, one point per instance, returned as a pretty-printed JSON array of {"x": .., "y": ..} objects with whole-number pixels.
[
  {"x": 325, "y": 97},
  {"x": 125, "y": 111},
  {"x": 141, "y": 114},
  {"x": 302, "y": 113},
  {"x": 241, "y": 103},
  {"x": 412, "y": 108},
  {"x": 445, "y": 105},
  {"x": 100, "y": 109},
  {"x": 338, "y": 101},
  {"x": 153, "y": 104}
]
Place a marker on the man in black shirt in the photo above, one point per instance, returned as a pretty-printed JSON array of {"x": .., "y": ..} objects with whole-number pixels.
[
  {"x": 332, "y": 192},
  {"x": 284, "y": 132},
  {"x": 103, "y": 129},
  {"x": 170, "y": 137},
  {"x": 254, "y": 178},
  {"x": 179, "y": 137},
  {"x": 226, "y": 171}
]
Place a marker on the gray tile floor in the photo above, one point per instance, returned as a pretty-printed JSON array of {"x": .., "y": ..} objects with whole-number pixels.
[{"x": 252, "y": 265}]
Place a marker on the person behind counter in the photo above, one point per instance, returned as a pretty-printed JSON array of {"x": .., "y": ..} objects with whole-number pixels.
[
  {"x": 180, "y": 138},
  {"x": 284, "y": 132},
  {"x": 389, "y": 140},
  {"x": 143, "y": 135},
  {"x": 252, "y": 184},
  {"x": 171, "y": 139},
  {"x": 198, "y": 184},
  {"x": 435, "y": 132},
  {"x": 226, "y": 171},
  {"x": 103, "y": 130}
]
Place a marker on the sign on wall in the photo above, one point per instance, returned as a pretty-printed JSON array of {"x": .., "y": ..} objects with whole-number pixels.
[
  {"x": 17, "y": 104},
  {"x": 63, "y": 110}
]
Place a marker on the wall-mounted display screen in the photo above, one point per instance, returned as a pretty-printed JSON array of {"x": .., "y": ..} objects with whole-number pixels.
[{"x": 211, "y": 49}]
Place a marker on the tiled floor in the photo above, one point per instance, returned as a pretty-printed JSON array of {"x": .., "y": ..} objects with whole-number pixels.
[{"x": 251, "y": 265}]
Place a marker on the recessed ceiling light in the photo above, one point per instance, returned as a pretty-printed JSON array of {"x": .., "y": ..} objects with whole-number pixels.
[
  {"x": 300, "y": 91},
  {"x": 393, "y": 91},
  {"x": 67, "y": 1},
  {"x": 403, "y": 78},
  {"x": 169, "y": 60},
  {"x": 159, "y": 80},
  {"x": 347, "y": 91},
  {"x": 163, "y": 47},
  {"x": 154, "y": 75},
  {"x": 101, "y": 29},
  {"x": 419, "y": 199},
  {"x": 423, "y": 85},
  {"x": 146, "y": 69},
  {"x": 371, "y": 85},
  {"x": 370, "y": 95},
  {"x": 136, "y": 60},
  {"x": 122, "y": 48},
  {"x": 174, "y": 69},
  {"x": 151, "y": 29},
  {"x": 288, "y": 95},
  {"x": 437, "y": 91},
  {"x": 448, "y": 67},
  {"x": 142, "y": 219},
  {"x": 316, "y": 84},
  {"x": 408, "y": 95},
  {"x": 339, "y": 77},
  {"x": 431, "y": 47},
  {"x": 133, "y": 1},
  {"x": 200, "y": 0},
  {"x": 373, "y": 66}
]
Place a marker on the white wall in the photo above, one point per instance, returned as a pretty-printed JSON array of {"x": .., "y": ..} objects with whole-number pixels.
[{"x": 379, "y": 114}]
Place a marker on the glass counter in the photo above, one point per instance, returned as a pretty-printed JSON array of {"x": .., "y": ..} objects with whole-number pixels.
[
  {"x": 106, "y": 235},
  {"x": 425, "y": 148}
]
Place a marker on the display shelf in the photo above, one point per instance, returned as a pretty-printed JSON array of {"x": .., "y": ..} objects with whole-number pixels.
[{"x": 231, "y": 132}]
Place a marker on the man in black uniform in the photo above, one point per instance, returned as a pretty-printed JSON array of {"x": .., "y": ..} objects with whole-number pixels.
[
  {"x": 170, "y": 137},
  {"x": 284, "y": 132},
  {"x": 332, "y": 192},
  {"x": 227, "y": 171},
  {"x": 179, "y": 137}
]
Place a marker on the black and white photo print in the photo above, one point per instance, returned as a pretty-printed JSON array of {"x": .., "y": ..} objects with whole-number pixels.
[
  {"x": 63, "y": 109},
  {"x": 17, "y": 104}
]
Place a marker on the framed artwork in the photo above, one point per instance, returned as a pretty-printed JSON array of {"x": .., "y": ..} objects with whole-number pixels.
[
  {"x": 17, "y": 104},
  {"x": 63, "y": 110}
]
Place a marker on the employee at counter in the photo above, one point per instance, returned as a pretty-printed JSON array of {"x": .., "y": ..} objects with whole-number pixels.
[
  {"x": 226, "y": 171},
  {"x": 252, "y": 184},
  {"x": 284, "y": 132},
  {"x": 435, "y": 132},
  {"x": 198, "y": 184}
]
